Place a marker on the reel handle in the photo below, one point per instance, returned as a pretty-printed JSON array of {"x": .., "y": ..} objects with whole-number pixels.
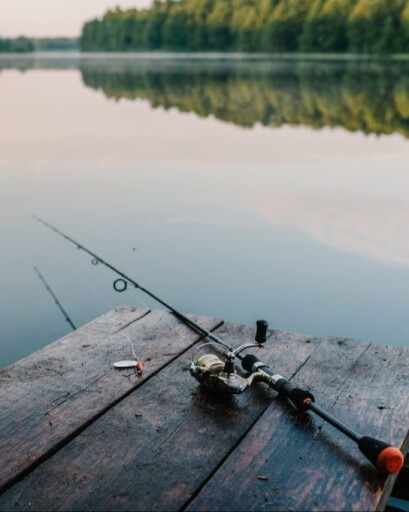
[{"x": 261, "y": 331}]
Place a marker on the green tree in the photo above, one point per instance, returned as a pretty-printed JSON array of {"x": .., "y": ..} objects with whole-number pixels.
[
  {"x": 371, "y": 26},
  {"x": 285, "y": 26},
  {"x": 153, "y": 33},
  {"x": 402, "y": 38},
  {"x": 174, "y": 31},
  {"x": 218, "y": 26},
  {"x": 372, "y": 23}
]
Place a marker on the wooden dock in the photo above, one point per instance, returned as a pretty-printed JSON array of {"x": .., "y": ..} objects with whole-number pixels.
[{"x": 77, "y": 434}]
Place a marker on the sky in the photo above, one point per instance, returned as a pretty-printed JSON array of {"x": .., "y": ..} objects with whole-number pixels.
[{"x": 47, "y": 18}]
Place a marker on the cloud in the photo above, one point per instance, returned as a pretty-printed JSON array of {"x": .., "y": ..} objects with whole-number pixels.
[{"x": 375, "y": 228}]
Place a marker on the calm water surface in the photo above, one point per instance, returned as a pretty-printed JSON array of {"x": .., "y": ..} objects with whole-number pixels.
[{"x": 235, "y": 188}]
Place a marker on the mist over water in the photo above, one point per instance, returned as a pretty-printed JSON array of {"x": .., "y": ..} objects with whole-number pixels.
[{"x": 231, "y": 187}]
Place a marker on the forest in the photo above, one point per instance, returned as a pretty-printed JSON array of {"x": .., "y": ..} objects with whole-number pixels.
[
  {"x": 17, "y": 45},
  {"x": 38, "y": 44},
  {"x": 328, "y": 26}
]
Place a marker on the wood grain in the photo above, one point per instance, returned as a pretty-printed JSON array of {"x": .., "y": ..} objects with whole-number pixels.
[
  {"x": 155, "y": 449},
  {"x": 101, "y": 441},
  {"x": 50, "y": 396},
  {"x": 305, "y": 463}
]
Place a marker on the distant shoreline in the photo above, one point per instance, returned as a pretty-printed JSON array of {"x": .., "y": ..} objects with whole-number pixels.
[
  {"x": 28, "y": 45},
  {"x": 159, "y": 55}
]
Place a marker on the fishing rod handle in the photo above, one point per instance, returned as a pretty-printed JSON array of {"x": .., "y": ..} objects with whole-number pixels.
[
  {"x": 384, "y": 457},
  {"x": 299, "y": 398},
  {"x": 388, "y": 459}
]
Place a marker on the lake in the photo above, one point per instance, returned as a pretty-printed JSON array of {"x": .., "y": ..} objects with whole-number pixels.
[{"x": 240, "y": 187}]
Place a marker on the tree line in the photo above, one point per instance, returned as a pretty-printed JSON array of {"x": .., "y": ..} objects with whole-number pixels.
[
  {"x": 38, "y": 44},
  {"x": 16, "y": 45},
  {"x": 359, "y": 26},
  {"x": 360, "y": 96}
]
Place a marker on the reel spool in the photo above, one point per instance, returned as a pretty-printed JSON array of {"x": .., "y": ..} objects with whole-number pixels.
[{"x": 221, "y": 376}]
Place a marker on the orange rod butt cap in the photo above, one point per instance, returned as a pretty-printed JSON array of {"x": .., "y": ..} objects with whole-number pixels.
[{"x": 390, "y": 460}]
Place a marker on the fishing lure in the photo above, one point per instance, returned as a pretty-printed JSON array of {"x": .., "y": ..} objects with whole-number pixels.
[
  {"x": 130, "y": 363},
  {"x": 222, "y": 376}
]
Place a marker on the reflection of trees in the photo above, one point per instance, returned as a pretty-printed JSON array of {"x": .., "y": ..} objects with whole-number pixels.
[
  {"x": 367, "y": 96},
  {"x": 371, "y": 96}
]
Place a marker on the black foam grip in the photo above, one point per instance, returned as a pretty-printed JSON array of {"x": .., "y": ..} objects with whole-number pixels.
[
  {"x": 248, "y": 361},
  {"x": 371, "y": 448},
  {"x": 299, "y": 397}
]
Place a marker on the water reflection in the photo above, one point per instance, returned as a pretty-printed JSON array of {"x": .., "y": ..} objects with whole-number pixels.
[
  {"x": 375, "y": 229},
  {"x": 300, "y": 226},
  {"x": 370, "y": 96},
  {"x": 366, "y": 96}
]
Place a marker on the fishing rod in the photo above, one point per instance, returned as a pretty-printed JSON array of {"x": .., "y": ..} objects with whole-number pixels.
[
  {"x": 221, "y": 375},
  {"x": 122, "y": 364},
  {"x": 48, "y": 288},
  {"x": 120, "y": 285}
]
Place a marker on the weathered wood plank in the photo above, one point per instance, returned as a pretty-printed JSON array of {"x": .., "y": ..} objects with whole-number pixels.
[
  {"x": 48, "y": 397},
  {"x": 308, "y": 465},
  {"x": 401, "y": 487},
  {"x": 155, "y": 449}
]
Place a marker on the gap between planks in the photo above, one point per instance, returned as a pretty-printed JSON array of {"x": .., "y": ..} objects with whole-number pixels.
[{"x": 58, "y": 444}]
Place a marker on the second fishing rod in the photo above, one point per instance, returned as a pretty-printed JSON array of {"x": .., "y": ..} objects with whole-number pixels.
[
  {"x": 222, "y": 376},
  {"x": 120, "y": 285}
]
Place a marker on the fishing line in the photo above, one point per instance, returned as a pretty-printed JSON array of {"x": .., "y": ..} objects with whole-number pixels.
[
  {"x": 222, "y": 376},
  {"x": 93, "y": 289},
  {"x": 131, "y": 290},
  {"x": 95, "y": 262},
  {"x": 130, "y": 341},
  {"x": 194, "y": 325},
  {"x": 123, "y": 364}
]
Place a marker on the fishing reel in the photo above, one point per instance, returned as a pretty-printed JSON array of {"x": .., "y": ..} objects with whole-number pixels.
[{"x": 221, "y": 375}]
